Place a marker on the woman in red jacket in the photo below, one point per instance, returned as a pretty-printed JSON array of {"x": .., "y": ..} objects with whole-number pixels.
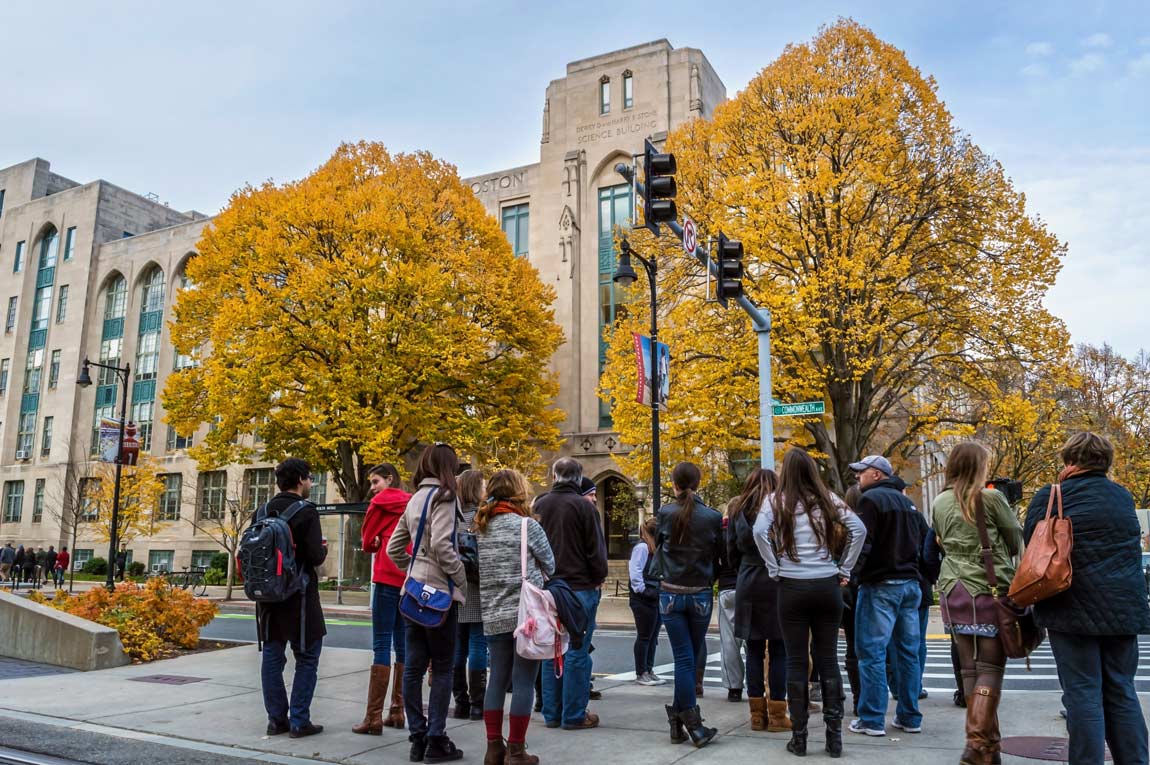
[{"x": 387, "y": 505}]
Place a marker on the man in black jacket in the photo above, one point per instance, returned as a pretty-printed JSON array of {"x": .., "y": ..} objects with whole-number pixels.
[
  {"x": 576, "y": 536},
  {"x": 888, "y": 598},
  {"x": 297, "y": 621}
]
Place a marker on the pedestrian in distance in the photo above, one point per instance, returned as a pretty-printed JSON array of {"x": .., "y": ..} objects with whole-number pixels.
[
  {"x": 730, "y": 646},
  {"x": 50, "y": 557},
  {"x": 28, "y": 571},
  {"x": 1094, "y": 625},
  {"x": 7, "y": 558},
  {"x": 41, "y": 571},
  {"x": 688, "y": 548},
  {"x": 968, "y": 604},
  {"x": 889, "y": 595},
  {"x": 63, "y": 560},
  {"x": 469, "y": 677},
  {"x": 810, "y": 541},
  {"x": 576, "y": 535},
  {"x": 512, "y": 547},
  {"x": 297, "y": 621},
  {"x": 16, "y": 574},
  {"x": 643, "y": 598},
  {"x": 121, "y": 562},
  {"x": 757, "y": 607},
  {"x": 435, "y": 562},
  {"x": 388, "y": 502}
]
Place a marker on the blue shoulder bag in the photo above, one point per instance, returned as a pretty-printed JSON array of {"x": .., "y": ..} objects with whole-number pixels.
[{"x": 422, "y": 604}]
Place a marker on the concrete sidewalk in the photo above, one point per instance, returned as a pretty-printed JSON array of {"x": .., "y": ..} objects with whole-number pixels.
[{"x": 223, "y": 713}]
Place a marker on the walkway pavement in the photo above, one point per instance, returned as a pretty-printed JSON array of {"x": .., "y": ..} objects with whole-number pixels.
[{"x": 221, "y": 711}]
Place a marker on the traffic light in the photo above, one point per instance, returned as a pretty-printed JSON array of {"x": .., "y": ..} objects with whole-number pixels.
[
  {"x": 1012, "y": 490},
  {"x": 659, "y": 179},
  {"x": 729, "y": 259}
]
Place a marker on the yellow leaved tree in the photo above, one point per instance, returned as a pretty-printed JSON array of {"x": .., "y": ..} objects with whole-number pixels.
[
  {"x": 140, "y": 490},
  {"x": 356, "y": 314},
  {"x": 900, "y": 265}
]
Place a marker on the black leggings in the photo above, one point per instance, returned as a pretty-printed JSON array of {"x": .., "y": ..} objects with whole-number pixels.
[
  {"x": 756, "y": 653},
  {"x": 810, "y": 611}
]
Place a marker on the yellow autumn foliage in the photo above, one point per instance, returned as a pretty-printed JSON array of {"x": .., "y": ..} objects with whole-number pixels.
[{"x": 140, "y": 490}]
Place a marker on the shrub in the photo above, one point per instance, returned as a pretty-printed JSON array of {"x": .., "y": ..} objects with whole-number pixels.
[
  {"x": 153, "y": 620},
  {"x": 219, "y": 562},
  {"x": 214, "y": 576},
  {"x": 136, "y": 568},
  {"x": 97, "y": 566}
]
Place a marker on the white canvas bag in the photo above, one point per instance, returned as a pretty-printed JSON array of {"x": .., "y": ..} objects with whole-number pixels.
[{"x": 539, "y": 635}]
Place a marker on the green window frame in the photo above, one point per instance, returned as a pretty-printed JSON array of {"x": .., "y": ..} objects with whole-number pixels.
[
  {"x": 38, "y": 502},
  {"x": 13, "y": 501},
  {"x": 46, "y": 437},
  {"x": 70, "y": 243},
  {"x": 171, "y": 497},
  {"x": 18, "y": 265},
  {"x": 516, "y": 225},
  {"x": 615, "y": 210}
]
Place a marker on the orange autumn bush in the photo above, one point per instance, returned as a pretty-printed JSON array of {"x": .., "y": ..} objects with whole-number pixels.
[{"x": 153, "y": 620}]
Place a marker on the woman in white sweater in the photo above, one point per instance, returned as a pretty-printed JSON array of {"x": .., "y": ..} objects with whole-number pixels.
[
  {"x": 499, "y": 523},
  {"x": 809, "y": 540}
]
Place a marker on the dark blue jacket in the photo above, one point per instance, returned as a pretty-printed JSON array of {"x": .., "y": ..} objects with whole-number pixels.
[{"x": 1107, "y": 595}]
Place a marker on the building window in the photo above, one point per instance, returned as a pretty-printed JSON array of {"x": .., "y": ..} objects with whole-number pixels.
[
  {"x": 614, "y": 211},
  {"x": 259, "y": 487},
  {"x": 26, "y": 436},
  {"x": 153, "y": 292},
  {"x": 46, "y": 438},
  {"x": 13, "y": 501},
  {"x": 49, "y": 246},
  {"x": 147, "y": 354},
  {"x": 70, "y": 243},
  {"x": 142, "y": 414},
  {"x": 38, "y": 502},
  {"x": 605, "y": 95},
  {"x": 628, "y": 90},
  {"x": 170, "y": 499},
  {"x": 1, "y": 201},
  {"x": 213, "y": 495},
  {"x": 41, "y": 308},
  {"x": 79, "y": 558},
  {"x": 515, "y": 225},
  {"x": 177, "y": 442},
  {"x": 32, "y": 371},
  {"x": 10, "y": 322},
  {"x": 89, "y": 499},
  {"x": 160, "y": 561},
  {"x": 54, "y": 370},
  {"x": 319, "y": 489},
  {"x": 203, "y": 558},
  {"x": 116, "y": 299},
  {"x": 62, "y": 304},
  {"x": 19, "y": 264},
  {"x": 4, "y": 363}
]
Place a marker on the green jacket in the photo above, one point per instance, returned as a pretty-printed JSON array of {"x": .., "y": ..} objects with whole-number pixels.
[{"x": 962, "y": 548}]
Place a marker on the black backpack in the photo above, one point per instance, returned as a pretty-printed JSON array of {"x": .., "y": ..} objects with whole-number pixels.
[{"x": 267, "y": 556}]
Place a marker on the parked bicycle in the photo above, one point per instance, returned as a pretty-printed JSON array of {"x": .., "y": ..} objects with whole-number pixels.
[{"x": 189, "y": 578}]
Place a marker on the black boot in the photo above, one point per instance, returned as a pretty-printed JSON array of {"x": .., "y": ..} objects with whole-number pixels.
[
  {"x": 677, "y": 734},
  {"x": 418, "y": 746},
  {"x": 797, "y": 701},
  {"x": 693, "y": 723},
  {"x": 441, "y": 749},
  {"x": 477, "y": 688},
  {"x": 833, "y": 715},
  {"x": 459, "y": 691},
  {"x": 853, "y": 678}
]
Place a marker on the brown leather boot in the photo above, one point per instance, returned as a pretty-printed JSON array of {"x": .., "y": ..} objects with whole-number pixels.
[
  {"x": 376, "y": 694},
  {"x": 496, "y": 752},
  {"x": 395, "y": 717},
  {"x": 777, "y": 720},
  {"x": 517, "y": 755},
  {"x": 981, "y": 722},
  {"x": 758, "y": 713}
]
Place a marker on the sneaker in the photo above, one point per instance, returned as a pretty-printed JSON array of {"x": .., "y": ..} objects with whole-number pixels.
[
  {"x": 658, "y": 680},
  {"x": 923, "y": 694},
  {"x": 906, "y": 728},
  {"x": 857, "y": 726},
  {"x": 646, "y": 679}
]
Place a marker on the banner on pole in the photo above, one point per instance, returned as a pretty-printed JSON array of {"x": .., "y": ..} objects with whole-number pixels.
[
  {"x": 109, "y": 439},
  {"x": 644, "y": 372}
]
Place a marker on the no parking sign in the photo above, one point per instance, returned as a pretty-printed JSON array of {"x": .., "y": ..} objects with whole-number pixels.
[{"x": 690, "y": 236}]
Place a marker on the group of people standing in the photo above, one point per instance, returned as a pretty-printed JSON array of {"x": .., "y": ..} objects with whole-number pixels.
[{"x": 34, "y": 568}]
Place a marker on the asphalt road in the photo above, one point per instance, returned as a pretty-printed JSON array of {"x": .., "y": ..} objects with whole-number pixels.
[{"x": 613, "y": 655}]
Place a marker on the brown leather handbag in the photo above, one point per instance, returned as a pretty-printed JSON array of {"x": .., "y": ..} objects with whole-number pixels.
[
  {"x": 1017, "y": 630},
  {"x": 1045, "y": 566}
]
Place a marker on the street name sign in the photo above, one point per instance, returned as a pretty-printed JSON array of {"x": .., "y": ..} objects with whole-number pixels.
[{"x": 806, "y": 407}]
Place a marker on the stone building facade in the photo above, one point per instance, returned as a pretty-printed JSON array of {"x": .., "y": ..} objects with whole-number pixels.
[{"x": 93, "y": 270}]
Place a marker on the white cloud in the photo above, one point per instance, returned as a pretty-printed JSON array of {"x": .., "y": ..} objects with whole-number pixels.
[
  {"x": 1091, "y": 62},
  {"x": 1097, "y": 40},
  {"x": 1040, "y": 49},
  {"x": 1140, "y": 66},
  {"x": 1033, "y": 70}
]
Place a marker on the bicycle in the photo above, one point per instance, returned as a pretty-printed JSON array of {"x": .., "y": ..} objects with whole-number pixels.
[{"x": 190, "y": 578}]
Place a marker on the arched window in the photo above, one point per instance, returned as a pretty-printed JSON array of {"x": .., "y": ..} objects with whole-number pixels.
[
  {"x": 116, "y": 298},
  {"x": 49, "y": 247},
  {"x": 153, "y": 292}
]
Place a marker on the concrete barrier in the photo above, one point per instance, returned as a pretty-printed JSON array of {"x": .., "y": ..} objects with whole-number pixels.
[{"x": 33, "y": 632}]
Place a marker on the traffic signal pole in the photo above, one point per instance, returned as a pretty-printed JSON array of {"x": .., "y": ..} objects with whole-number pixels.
[{"x": 760, "y": 322}]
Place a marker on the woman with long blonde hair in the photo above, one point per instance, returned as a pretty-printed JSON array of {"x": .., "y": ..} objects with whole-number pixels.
[
  {"x": 499, "y": 524},
  {"x": 967, "y": 601}
]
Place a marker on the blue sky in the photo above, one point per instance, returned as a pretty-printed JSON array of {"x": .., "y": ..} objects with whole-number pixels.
[{"x": 191, "y": 101}]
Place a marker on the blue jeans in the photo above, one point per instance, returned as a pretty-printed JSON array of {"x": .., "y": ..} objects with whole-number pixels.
[
  {"x": 471, "y": 647},
  {"x": 686, "y": 618},
  {"x": 386, "y": 625},
  {"x": 565, "y": 698},
  {"x": 1097, "y": 677},
  {"x": 886, "y": 613},
  {"x": 434, "y": 646},
  {"x": 891, "y": 654},
  {"x": 298, "y": 714}
]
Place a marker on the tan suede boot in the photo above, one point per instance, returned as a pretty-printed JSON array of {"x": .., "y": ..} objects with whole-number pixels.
[
  {"x": 777, "y": 720},
  {"x": 758, "y": 713}
]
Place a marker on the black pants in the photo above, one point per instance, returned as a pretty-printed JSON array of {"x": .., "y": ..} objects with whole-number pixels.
[
  {"x": 810, "y": 611},
  {"x": 437, "y": 647},
  {"x": 756, "y": 684},
  {"x": 647, "y": 621}
]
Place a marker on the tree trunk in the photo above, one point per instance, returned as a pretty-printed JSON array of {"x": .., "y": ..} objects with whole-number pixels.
[{"x": 231, "y": 574}]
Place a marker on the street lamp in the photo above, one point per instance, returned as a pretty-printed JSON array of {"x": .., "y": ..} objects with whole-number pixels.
[
  {"x": 625, "y": 276},
  {"x": 85, "y": 379}
]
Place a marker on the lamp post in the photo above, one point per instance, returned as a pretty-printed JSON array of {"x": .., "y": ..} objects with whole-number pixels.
[
  {"x": 124, "y": 375},
  {"x": 625, "y": 276}
]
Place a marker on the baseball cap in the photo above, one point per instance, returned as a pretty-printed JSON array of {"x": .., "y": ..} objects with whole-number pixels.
[
  {"x": 586, "y": 486},
  {"x": 876, "y": 461}
]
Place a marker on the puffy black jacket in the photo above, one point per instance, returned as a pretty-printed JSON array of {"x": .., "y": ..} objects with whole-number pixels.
[
  {"x": 1107, "y": 595},
  {"x": 894, "y": 534},
  {"x": 695, "y": 561}
]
